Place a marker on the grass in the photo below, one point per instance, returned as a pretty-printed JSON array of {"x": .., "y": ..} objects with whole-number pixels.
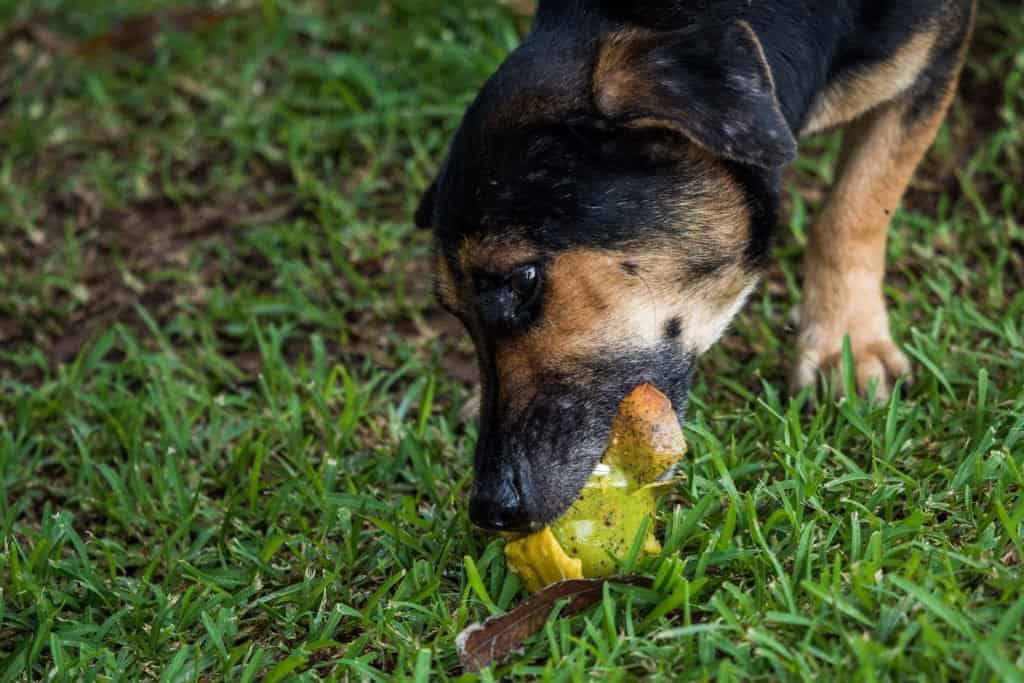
[{"x": 229, "y": 435}]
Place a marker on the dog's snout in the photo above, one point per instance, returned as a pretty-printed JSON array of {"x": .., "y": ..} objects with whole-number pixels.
[{"x": 500, "y": 508}]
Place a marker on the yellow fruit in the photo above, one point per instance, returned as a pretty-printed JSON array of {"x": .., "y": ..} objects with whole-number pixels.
[
  {"x": 540, "y": 560},
  {"x": 599, "y": 528}
]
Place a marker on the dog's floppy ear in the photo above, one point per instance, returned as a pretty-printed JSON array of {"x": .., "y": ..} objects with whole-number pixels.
[
  {"x": 713, "y": 86},
  {"x": 424, "y": 217}
]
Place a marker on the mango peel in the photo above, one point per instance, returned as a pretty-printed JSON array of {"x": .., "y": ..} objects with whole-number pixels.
[{"x": 600, "y": 527}]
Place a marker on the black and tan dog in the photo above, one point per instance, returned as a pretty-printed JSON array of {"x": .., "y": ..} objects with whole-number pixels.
[{"x": 609, "y": 201}]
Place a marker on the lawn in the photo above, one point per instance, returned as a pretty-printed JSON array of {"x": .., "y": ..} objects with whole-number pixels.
[{"x": 230, "y": 444}]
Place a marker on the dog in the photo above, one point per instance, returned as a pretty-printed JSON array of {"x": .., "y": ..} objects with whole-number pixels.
[{"x": 609, "y": 201}]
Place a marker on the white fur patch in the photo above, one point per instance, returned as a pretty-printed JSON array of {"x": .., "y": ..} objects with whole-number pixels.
[{"x": 703, "y": 325}]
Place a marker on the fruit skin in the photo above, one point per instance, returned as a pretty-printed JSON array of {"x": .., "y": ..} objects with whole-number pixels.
[
  {"x": 646, "y": 440},
  {"x": 600, "y": 527}
]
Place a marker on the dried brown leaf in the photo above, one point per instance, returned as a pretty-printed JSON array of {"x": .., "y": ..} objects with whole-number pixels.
[
  {"x": 136, "y": 36},
  {"x": 494, "y": 639}
]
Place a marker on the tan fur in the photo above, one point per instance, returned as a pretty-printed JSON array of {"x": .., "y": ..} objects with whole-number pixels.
[
  {"x": 845, "y": 259},
  {"x": 593, "y": 307},
  {"x": 715, "y": 212},
  {"x": 615, "y": 81},
  {"x": 844, "y": 101},
  {"x": 447, "y": 291}
]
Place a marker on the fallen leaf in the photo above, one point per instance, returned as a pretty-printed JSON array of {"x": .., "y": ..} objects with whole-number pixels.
[
  {"x": 136, "y": 36},
  {"x": 494, "y": 639}
]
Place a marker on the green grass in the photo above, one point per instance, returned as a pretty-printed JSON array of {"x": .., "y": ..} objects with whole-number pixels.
[{"x": 229, "y": 435}]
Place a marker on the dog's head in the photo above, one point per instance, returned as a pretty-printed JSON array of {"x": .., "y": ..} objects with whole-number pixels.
[{"x": 602, "y": 213}]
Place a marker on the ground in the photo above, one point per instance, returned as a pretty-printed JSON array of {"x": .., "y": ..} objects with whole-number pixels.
[{"x": 230, "y": 444}]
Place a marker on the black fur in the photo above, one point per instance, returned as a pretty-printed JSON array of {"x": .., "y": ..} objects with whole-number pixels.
[
  {"x": 548, "y": 157},
  {"x": 713, "y": 86},
  {"x": 807, "y": 43}
]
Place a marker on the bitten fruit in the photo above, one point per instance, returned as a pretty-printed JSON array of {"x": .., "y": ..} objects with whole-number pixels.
[{"x": 600, "y": 527}]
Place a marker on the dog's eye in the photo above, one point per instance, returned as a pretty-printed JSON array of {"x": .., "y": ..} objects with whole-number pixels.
[
  {"x": 509, "y": 300},
  {"x": 523, "y": 283}
]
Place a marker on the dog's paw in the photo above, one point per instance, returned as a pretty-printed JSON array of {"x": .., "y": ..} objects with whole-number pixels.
[{"x": 877, "y": 363}]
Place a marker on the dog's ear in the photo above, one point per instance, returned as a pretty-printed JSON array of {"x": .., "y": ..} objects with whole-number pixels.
[
  {"x": 424, "y": 217},
  {"x": 714, "y": 86}
]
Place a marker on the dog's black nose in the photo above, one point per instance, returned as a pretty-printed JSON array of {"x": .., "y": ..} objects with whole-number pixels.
[{"x": 500, "y": 509}]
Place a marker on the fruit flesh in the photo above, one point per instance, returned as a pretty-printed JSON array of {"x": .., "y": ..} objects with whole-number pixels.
[
  {"x": 540, "y": 560},
  {"x": 600, "y": 527}
]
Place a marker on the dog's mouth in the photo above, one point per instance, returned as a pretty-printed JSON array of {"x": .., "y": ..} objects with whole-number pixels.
[
  {"x": 532, "y": 465},
  {"x": 644, "y": 446},
  {"x": 601, "y": 472},
  {"x": 602, "y": 475},
  {"x": 614, "y": 513}
]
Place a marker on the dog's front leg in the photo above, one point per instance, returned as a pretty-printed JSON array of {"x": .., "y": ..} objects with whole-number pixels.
[{"x": 845, "y": 259}]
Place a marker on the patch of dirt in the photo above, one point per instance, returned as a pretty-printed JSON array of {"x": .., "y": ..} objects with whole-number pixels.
[
  {"x": 135, "y": 36},
  {"x": 121, "y": 251}
]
